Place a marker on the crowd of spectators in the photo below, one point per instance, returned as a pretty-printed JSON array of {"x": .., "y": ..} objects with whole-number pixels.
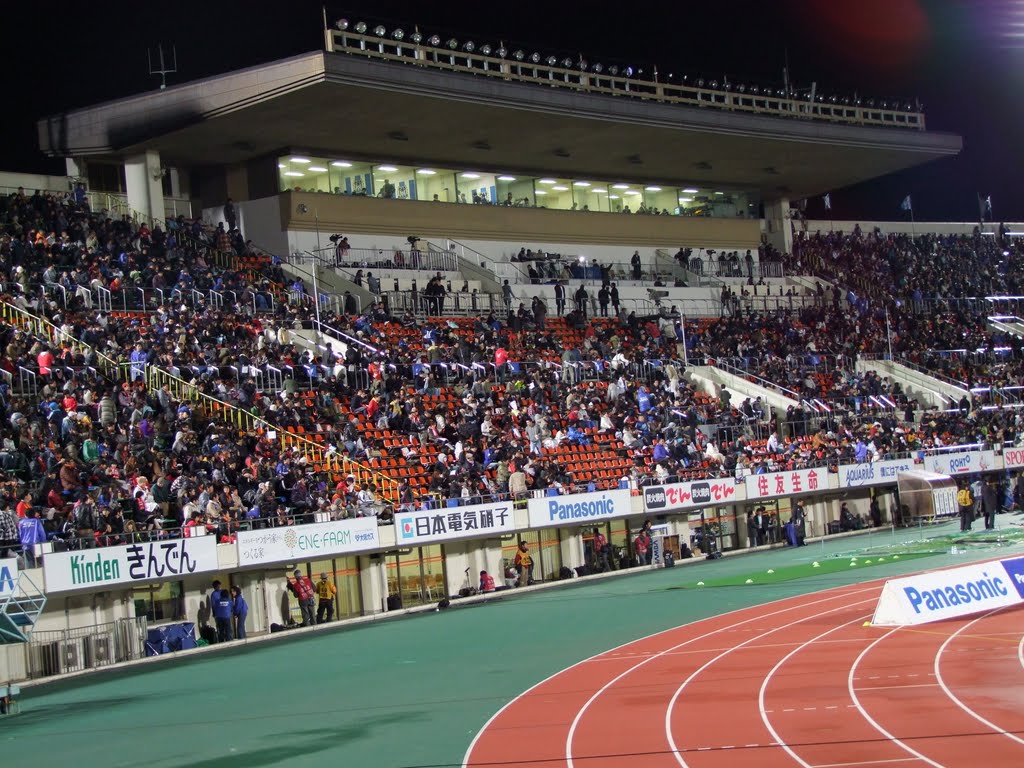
[{"x": 440, "y": 411}]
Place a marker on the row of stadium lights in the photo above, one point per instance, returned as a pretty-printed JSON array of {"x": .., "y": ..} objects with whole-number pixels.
[{"x": 434, "y": 41}]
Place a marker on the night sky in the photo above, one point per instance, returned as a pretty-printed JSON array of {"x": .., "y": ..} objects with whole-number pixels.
[{"x": 963, "y": 60}]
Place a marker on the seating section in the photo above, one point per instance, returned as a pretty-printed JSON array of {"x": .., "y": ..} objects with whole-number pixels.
[{"x": 167, "y": 380}]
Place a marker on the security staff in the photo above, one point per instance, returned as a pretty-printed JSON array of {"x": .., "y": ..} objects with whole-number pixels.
[
  {"x": 325, "y": 592},
  {"x": 966, "y": 503}
]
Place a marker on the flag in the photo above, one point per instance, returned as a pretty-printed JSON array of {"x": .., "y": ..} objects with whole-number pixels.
[
  {"x": 828, "y": 202},
  {"x": 906, "y": 205},
  {"x": 984, "y": 207},
  {"x": 988, "y": 205}
]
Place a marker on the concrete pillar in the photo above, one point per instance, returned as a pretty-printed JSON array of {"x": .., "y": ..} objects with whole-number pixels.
[
  {"x": 76, "y": 168},
  {"x": 778, "y": 224},
  {"x": 144, "y": 181}
]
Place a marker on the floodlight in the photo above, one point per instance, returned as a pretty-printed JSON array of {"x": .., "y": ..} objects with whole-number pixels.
[
  {"x": 519, "y": 55},
  {"x": 628, "y": 72},
  {"x": 566, "y": 62},
  {"x": 379, "y": 30},
  {"x": 714, "y": 85},
  {"x": 598, "y": 68},
  {"x": 398, "y": 34},
  {"x": 552, "y": 61},
  {"x": 341, "y": 24},
  {"x": 485, "y": 50},
  {"x": 583, "y": 65},
  {"x": 469, "y": 47},
  {"x": 613, "y": 70},
  {"x": 453, "y": 43},
  {"x": 755, "y": 90},
  {"x": 535, "y": 57},
  {"x": 416, "y": 38},
  {"x": 434, "y": 41},
  {"x": 361, "y": 28},
  {"x": 502, "y": 51},
  {"x": 741, "y": 88},
  {"x": 700, "y": 83}
]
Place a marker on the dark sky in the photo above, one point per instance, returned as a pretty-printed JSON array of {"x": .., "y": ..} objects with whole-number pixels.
[{"x": 961, "y": 59}]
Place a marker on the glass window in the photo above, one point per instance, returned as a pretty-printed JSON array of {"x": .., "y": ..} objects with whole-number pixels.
[
  {"x": 514, "y": 190},
  {"x": 350, "y": 178},
  {"x": 344, "y": 573},
  {"x": 662, "y": 199},
  {"x": 477, "y": 188},
  {"x": 590, "y": 195},
  {"x": 554, "y": 193},
  {"x": 434, "y": 585},
  {"x": 550, "y": 553},
  {"x": 160, "y": 602},
  {"x": 418, "y": 576},
  {"x": 435, "y": 185}
]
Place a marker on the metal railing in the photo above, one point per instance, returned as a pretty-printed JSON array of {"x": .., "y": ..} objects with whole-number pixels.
[
  {"x": 552, "y": 73},
  {"x": 59, "y": 652},
  {"x": 390, "y": 259}
]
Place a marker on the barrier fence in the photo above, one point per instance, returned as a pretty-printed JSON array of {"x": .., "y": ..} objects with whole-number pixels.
[{"x": 75, "y": 650}]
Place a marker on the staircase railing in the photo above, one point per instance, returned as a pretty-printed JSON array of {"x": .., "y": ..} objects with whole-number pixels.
[{"x": 20, "y": 610}]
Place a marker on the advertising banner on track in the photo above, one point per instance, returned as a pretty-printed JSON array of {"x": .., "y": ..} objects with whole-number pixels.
[
  {"x": 296, "y": 543},
  {"x": 423, "y": 526},
  {"x": 8, "y": 576},
  {"x": 700, "y": 493},
  {"x": 951, "y": 593},
  {"x": 582, "y": 508},
  {"x": 146, "y": 562},
  {"x": 773, "y": 484},
  {"x": 960, "y": 462},
  {"x": 882, "y": 472}
]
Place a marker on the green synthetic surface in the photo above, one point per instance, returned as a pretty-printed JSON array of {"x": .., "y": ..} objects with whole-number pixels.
[
  {"x": 389, "y": 694},
  {"x": 817, "y": 568}
]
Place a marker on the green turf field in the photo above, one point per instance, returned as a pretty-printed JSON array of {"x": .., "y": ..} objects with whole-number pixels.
[{"x": 389, "y": 694}]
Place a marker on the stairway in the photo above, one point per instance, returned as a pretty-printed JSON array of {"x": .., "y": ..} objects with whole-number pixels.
[{"x": 20, "y": 610}]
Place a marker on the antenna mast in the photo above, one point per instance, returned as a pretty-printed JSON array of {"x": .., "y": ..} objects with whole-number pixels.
[{"x": 163, "y": 70}]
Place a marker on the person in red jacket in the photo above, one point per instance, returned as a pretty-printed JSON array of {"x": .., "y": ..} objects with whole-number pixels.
[
  {"x": 304, "y": 592},
  {"x": 486, "y": 582}
]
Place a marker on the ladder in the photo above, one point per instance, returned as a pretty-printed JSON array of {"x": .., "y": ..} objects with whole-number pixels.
[{"x": 19, "y": 610}]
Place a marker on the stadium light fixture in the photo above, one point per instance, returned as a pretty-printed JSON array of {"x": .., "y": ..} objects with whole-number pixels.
[
  {"x": 581, "y": 183},
  {"x": 690, "y": 191},
  {"x": 599, "y": 191},
  {"x": 546, "y": 181},
  {"x": 453, "y": 43},
  {"x": 620, "y": 186},
  {"x": 485, "y": 50},
  {"x": 552, "y": 61},
  {"x": 567, "y": 62},
  {"x": 387, "y": 168},
  {"x": 700, "y": 83},
  {"x": 398, "y": 34},
  {"x": 341, "y": 164},
  {"x": 300, "y": 160},
  {"x": 613, "y": 197},
  {"x": 426, "y": 172},
  {"x": 535, "y": 57},
  {"x": 685, "y": 199},
  {"x": 502, "y": 51},
  {"x": 294, "y": 173},
  {"x": 361, "y": 28},
  {"x": 506, "y": 178},
  {"x": 317, "y": 169},
  {"x": 653, "y": 189},
  {"x": 469, "y": 46},
  {"x": 539, "y": 192},
  {"x": 598, "y": 68},
  {"x": 434, "y": 41},
  {"x": 628, "y": 72},
  {"x": 379, "y": 30},
  {"x": 416, "y": 38},
  {"x": 613, "y": 70},
  {"x": 341, "y": 24},
  {"x": 560, "y": 188},
  {"x": 519, "y": 55},
  {"x": 470, "y": 175}
]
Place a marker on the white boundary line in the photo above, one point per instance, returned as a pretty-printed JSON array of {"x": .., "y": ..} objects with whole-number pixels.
[
  {"x": 864, "y": 713},
  {"x": 764, "y": 687},
  {"x": 953, "y": 697},
  {"x": 496, "y": 715},
  {"x": 693, "y": 676},
  {"x": 1020, "y": 650}
]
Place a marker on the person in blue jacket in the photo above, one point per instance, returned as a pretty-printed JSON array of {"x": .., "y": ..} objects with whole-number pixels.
[
  {"x": 240, "y": 610},
  {"x": 222, "y": 608},
  {"x": 31, "y": 532}
]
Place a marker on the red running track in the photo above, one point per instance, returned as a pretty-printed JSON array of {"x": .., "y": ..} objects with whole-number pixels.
[{"x": 798, "y": 682}]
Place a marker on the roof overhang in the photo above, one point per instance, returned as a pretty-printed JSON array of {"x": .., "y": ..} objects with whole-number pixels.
[{"x": 337, "y": 104}]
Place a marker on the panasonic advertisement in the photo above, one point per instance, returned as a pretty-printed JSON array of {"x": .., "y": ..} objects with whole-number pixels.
[{"x": 579, "y": 508}]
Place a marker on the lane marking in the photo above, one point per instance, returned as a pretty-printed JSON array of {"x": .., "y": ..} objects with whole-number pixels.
[
  {"x": 949, "y": 693},
  {"x": 579, "y": 715},
  {"x": 864, "y": 712},
  {"x": 672, "y": 703},
  {"x": 891, "y": 687},
  {"x": 771, "y": 673},
  {"x": 869, "y": 762}
]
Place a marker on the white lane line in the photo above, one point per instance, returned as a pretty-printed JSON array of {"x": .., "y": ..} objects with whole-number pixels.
[
  {"x": 1020, "y": 650},
  {"x": 479, "y": 734},
  {"x": 946, "y": 689},
  {"x": 891, "y": 687},
  {"x": 671, "y": 705},
  {"x": 864, "y": 712},
  {"x": 768, "y": 678},
  {"x": 869, "y": 762}
]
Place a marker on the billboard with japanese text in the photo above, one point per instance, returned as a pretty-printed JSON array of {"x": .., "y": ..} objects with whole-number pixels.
[
  {"x": 774, "y": 484},
  {"x": 423, "y": 526},
  {"x": 297, "y": 543},
  {"x": 700, "y": 493}
]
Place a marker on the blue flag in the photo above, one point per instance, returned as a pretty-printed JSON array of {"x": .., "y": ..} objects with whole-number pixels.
[{"x": 906, "y": 204}]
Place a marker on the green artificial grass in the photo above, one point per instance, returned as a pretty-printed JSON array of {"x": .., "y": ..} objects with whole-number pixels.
[{"x": 823, "y": 567}]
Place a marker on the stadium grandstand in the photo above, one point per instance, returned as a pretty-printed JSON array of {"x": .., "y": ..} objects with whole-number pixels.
[{"x": 237, "y": 343}]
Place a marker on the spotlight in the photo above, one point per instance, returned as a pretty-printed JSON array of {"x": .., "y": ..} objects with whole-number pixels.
[
  {"x": 398, "y": 34},
  {"x": 566, "y": 62},
  {"x": 502, "y": 52},
  {"x": 755, "y": 90},
  {"x": 416, "y": 38},
  {"x": 885, "y": 105},
  {"x": 871, "y": 103},
  {"x": 485, "y": 50},
  {"x": 726, "y": 87},
  {"x": 598, "y": 68},
  {"x": 628, "y": 72},
  {"x": 832, "y": 99},
  {"x": 469, "y": 47},
  {"x": 613, "y": 70},
  {"x": 700, "y": 83},
  {"x": 434, "y": 41},
  {"x": 453, "y": 43},
  {"x": 583, "y": 65},
  {"x": 856, "y": 102},
  {"x": 361, "y": 28},
  {"x": 535, "y": 57},
  {"x": 379, "y": 30},
  {"x": 519, "y": 55},
  {"x": 341, "y": 24},
  {"x": 552, "y": 61},
  {"x": 741, "y": 88}
]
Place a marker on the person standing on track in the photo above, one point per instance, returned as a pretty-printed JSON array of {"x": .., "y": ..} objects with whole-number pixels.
[
  {"x": 240, "y": 610},
  {"x": 990, "y": 502},
  {"x": 221, "y": 606},
  {"x": 966, "y": 504},
  {"x": 303, "y": 590},
  {"x": 524, "y": 564},
  {"x": 325, "y": 592}
]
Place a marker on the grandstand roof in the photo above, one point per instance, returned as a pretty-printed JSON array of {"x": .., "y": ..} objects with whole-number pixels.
[{"x": 360, "y": 107}]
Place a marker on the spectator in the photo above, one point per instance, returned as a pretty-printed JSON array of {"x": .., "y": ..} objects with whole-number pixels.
[
  {"x": 222, "y": 607},
  {"x": 240, "y": 611},
  {"x": 304, "y": 592}
]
